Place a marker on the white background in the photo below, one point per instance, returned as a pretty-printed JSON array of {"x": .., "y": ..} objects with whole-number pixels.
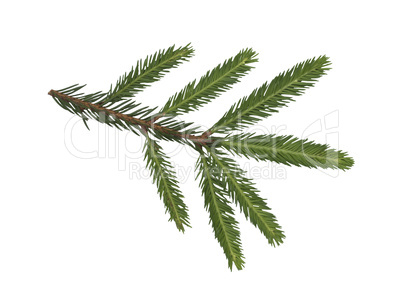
[{"x": 70, "y": 219}]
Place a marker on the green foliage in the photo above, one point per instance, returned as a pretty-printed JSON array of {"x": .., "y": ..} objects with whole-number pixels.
[
  {"x": 262, "y": 102},
  {"x": 166, "y": 181},
  {"x": 147, "y": 71},
  {"x": 211, "y": 85},
  {"x": 243, "y": 192},
  {"x": 287, "y": 150},
  {"x": 221, "y": 179},
  {"x": 221, "y": 214}
]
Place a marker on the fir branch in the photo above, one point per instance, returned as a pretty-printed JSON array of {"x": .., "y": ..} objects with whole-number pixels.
[
  {"x": 262, "y": 102},
  {"x": 211, "y": 85},
  {"x": 147, "y": 71},
  {"x": 166, "y": 181},
  {"x": 243, "y": 192},
  {"x": 287, "y": 150},
  {"x": 221, "y": 178},
  {"x": 221, "y": 214}
]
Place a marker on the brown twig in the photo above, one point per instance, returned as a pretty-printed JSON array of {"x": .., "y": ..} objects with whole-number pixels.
[
  {"x": 145, "y": 124},
  {"x": 157, "y": 117}
]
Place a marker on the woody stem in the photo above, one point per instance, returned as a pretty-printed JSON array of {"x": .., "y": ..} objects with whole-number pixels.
[{"x": 145, "y": 124}]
